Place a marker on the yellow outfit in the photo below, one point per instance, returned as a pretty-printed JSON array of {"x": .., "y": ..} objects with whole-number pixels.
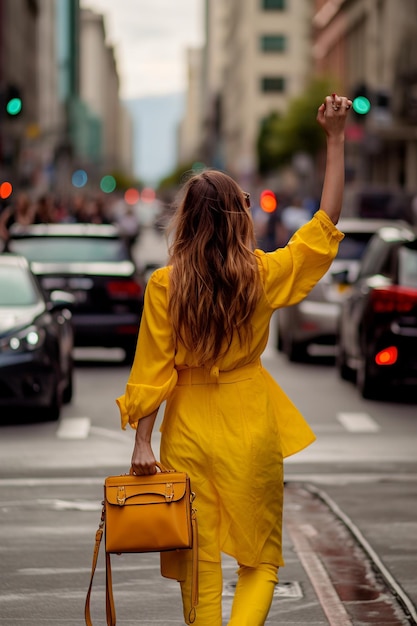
[{"x": 229, "y": 426}]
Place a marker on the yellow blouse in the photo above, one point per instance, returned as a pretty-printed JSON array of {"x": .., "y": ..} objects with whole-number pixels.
[{"x": 287, "y": 276}]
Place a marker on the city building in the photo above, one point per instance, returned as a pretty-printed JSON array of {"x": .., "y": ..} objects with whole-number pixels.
[
  {"x": 257, "y": 58},
  {"x": 189, "y": 134},
  {"x": 370, "y": 46},
  {"x": 59, "y": 97},
  {"x": 19, "y": 86}
]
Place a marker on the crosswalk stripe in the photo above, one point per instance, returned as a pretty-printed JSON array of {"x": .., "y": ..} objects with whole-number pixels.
[
  {"x": 358, "y": 422},
  {"x": 74, "y": 428}
]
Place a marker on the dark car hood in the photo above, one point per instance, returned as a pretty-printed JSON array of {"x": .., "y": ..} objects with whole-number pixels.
[{"x": 18, "y": 317}]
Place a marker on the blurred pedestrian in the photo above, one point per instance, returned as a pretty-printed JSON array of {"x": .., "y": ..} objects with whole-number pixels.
[
  {"x": 227, "y": 423},
  {"x": 294, "y": 216},
  {"x": 128, "y": 224},
  {"x": 20, "y": 211},
  {"x": 45, "y": 210}
]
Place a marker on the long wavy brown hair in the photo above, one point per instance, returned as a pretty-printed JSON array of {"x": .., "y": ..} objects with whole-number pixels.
[{"x": 214, "y": 281}]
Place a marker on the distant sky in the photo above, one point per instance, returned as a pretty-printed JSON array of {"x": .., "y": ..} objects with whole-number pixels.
[
  {"x": 156, "y": 122},
  {"x": 150, "y": 38}
]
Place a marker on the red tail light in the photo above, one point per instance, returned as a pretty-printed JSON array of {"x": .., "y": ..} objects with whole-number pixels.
[
  {"x": 388, "y": 356},
  {"x": 124, "y": 289},
  {"x": 394, "y": 299}
]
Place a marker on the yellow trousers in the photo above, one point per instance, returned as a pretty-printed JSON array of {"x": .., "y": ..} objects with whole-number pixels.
[{"x": 252, "y": 600}]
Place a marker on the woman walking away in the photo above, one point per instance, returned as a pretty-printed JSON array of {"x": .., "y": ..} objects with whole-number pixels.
[{"x": 227, "y": 423}]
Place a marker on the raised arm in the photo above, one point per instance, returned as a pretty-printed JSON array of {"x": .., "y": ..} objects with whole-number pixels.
[{"x": 331, "y": 116}]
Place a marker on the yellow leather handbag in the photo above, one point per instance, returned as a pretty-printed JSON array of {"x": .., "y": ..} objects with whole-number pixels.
[{"x": 151, "y": 513}]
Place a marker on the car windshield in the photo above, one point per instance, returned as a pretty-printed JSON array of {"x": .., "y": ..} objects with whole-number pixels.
[
  {"x": 16, "y": 287},
  {"x": 70, "y": 249},
  {"x": 407, "y": 266},
  {"x": 353, "y": 246}
]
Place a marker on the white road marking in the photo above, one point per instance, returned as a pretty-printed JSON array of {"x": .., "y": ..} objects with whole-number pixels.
[
  {"x": 322, "y": 479},
  {"x": 113, "y": 434},
  {"x": 74, "y": 428},
  {"x": 49, "y": 482},
  {"x": 308, "y": 530},
  {"x": 48, "y": 571},
  {"x": 358, "y": 422},
  {"x": 71, "y": 505}
]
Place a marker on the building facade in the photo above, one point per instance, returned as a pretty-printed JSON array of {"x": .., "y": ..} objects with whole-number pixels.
[
  {"x": 257, "y": 58},
  {"x": 370, "y": 46},
  {"x": 18, "y": 78},
  {"x": 189, "y": 132},
  {"x": 259, "y": 54},
  {"x": 55, "y": 61}
]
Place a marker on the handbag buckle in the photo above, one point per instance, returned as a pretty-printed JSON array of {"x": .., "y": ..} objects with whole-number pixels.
[
  {"x": 169, "y": 492},
  {"x": 121, "y": 495}
]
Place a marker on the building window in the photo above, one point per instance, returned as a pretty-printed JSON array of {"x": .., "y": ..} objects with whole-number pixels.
[
  {"x": 273, "y": 43},
  {"x": 274, "y": 5},
  {"x": 273, "y": 84}
]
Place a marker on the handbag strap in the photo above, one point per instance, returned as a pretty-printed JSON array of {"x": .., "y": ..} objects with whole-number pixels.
[
  {"x": 110, "y": 609},
  {"x": 99, "y": 537},
  {"x": 194, "y": 569}
]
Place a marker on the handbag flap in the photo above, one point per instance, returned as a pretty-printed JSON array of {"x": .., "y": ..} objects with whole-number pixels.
[{"x": 135, "y": 490}]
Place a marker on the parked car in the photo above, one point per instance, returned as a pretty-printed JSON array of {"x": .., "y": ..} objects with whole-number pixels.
[
  {"x": 377, "y": 343},
  {"x": 94, "y": 263},
  {"x": 36, "y": 341},
  {"x": 309, "y": 328}
]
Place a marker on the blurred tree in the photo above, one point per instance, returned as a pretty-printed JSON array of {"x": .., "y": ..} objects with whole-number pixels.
[
  {"x": 124, "y": 181},
  {"x": 176, "y": 177},
  {"x": 269, "y": 145},
  {"x": 283, "y": 136}
]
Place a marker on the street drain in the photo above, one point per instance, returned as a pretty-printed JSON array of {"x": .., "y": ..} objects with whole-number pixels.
[{"x": 290, "y": 590}]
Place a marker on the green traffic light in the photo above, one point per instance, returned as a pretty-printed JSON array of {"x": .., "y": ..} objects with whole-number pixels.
[
  {"x": 14, "y": 106},
  {"x": 361, "y": 105},
  {"x": 108, "y": 184}
]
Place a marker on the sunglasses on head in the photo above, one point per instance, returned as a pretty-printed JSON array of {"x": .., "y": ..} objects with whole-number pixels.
[{"x": 246, "y": 195}]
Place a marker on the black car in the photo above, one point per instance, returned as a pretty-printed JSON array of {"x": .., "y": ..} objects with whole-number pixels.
[
  {"x": 94, "y": 263},
  {"x": 36, "y": 342},
  {"x": 377, "y": 342}
]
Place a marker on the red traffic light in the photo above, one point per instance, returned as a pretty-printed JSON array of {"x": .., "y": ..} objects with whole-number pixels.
[
  {"x": 6, "y": 190},
  {"x": 268, "y": 201}
]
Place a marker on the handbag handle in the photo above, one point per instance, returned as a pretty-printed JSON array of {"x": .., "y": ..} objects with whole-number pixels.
[{"x": 160, "y": 467}]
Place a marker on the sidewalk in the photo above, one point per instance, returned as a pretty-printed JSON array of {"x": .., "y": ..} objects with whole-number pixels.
[{"x": 338, "y": 581}]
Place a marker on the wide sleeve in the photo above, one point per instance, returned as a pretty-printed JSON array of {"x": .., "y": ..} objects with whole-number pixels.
[
  {"x": 153, "y": 375},
  {"x": 289, "y": 273}
]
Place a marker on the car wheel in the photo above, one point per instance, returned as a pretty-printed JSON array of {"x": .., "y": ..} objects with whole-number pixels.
[
  {"x": 129, "y": 354},
  {"x": 69, "y": 389},
  {"x": 52, "y": 412},
  {"x": 295, "y": 352},
  {"x": 345, "y": 372},
  {"x": 366, "y": 383}
]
